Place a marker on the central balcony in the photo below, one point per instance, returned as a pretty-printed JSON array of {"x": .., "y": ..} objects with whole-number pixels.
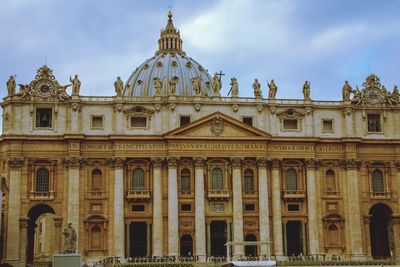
[
  {"x": 138, "y": 195},
  {"x": 294, "y": 194},
  {"x": 218, "y": 194}
]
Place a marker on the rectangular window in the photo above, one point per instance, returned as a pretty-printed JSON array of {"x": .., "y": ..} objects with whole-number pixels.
[
  {"x": 138, "y": 208},
  {"x": 186, "y": 207},
  {"x": 248, "y": 120},
  {"x": 97, "y": 122},
  {"x": 374, "y": 123},
  {"x": 138, "y": 122},
  {"x": 293, "y": 207},
  {"x": 44, "y": 117},
  {"x": 327, "y": 126},
  {"x": 184, "y": 120},
  {"x": 249, "y": 207},
  {"x": 290, "y": 124}
]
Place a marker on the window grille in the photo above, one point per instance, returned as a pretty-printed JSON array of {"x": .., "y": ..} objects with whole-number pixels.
[
  {"x": 42, "y": 180},
  {"x": 185, "y": 180},
  {"x": 138, "y": 179},
  {"x": 248, "y": 180},
  {"x": 291, "y": 180},
  {"x": 217, "y": 179},
  {"x": 377, "y": 181},
  {"x": 374, "y": 123}
]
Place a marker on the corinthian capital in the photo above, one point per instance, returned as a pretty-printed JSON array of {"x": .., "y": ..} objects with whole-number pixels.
[
  {"x": 15, "y": 163},
  {"x": 199, "y": 161},
  {"x": 74, "y": 162},
  {"x": 262, "y": 162},
  {"x": 157, "y": 162},
  {"x": 311, "y": 163},
  {"x": 276, "y": 163},
  {"x": 172, "y": 161},
  {"x": 236, "y": 162},
  {"x": 351, "y": 163}
]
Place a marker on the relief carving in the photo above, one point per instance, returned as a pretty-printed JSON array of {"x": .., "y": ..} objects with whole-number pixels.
[
  {"x": 217, "y": 126},
  {"x": 236, "y": 162},
  {"x": 262, "y": 162},
  {"x": 15, "y": 162}
]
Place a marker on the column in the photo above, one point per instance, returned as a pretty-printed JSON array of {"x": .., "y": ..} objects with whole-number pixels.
[
  {"x": 349, "y": 122},
  {"x": 312, "y": 207},
  {"x": 14, "y": 205},
  {"x": 75, "y": 116},
  {"x": 200, "y": 220},
  {"x": 353, "y": 201},
  {"x": 148, "y": 237},
  {"x": 57, "y": 234},
  {"x": 208, "y": 238},
  {"x": 284, "y": 237},
  {"x": 396, "y": 237},
  {"x": 119, "y": 233},
  {"x": 119, "y": 117},
  {"x": 23, "y": 224},
  {"x": 173, "y": 220},
  {"x": 157, "y": 209},
  {"x": 276, "y": 208},
  {"x": 237, "y": 206},
  {"x": 128, "y": 239},
  {"x": 228, "y": 234},
  {"x": 263, "y": 204}
]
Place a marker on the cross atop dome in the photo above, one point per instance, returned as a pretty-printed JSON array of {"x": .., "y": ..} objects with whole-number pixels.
[{"x": 170, "y": 39}]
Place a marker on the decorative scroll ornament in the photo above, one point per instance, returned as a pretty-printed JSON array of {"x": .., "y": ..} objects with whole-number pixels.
[
  {"x": 375, "y": 94},
  {"x": 217, "y": 126}
]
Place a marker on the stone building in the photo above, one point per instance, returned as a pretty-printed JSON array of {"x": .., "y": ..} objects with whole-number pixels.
[{"x": 168, "y": 166}]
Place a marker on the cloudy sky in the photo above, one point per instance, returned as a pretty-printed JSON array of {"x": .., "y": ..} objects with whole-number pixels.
[{"x": 326, "y": 42}]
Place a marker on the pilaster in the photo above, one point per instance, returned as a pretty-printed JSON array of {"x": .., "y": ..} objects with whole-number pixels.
[
  {"x": 311, "y": 164},
  {"x": 157, "y": 208},
  {"x": 173, "y": 221},
  {"x": 263, "y": 198},
  {"x": 200, "y": 220},
  {"x": 277, "y": 208},
  {"x": 237, "y": 206}
]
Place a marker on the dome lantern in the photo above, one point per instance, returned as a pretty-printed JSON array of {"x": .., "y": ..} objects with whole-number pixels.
[{"x": 170, "y": 39}]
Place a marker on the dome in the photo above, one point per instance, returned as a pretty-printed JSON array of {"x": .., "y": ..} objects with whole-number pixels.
[{"x": 169, "y": 68}]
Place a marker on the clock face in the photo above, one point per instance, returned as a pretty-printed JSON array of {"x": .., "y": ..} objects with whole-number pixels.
[
  {"x": 44, "y": 88},
  {"x": 373, "y": 95}
]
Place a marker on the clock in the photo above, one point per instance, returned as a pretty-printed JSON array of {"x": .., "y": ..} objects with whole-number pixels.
[
  {"x": 373, "y": 95},
  {"x": 44, "y": 88}
]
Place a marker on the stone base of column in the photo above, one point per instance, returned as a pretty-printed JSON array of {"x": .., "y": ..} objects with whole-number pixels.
[
  {"x": 358, "y": 257},
  {"x": 280, "y": 257},
  {"x": 202, "y": 258}
]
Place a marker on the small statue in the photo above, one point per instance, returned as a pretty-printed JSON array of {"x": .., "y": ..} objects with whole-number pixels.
[
  {"x": 217, "y": 85},
  {"x": 76, "y": 85},
  {"x": 157, "y": 86},
  {"x": 272, "y": 89},
  {"x": 395, "y": 92},
  {"x": 257, "y": 89},
  {"x": 234, "y": 87},
  {"x": 172, "y": 86},
  {"x": 196, "y": 84},
  {"x": 69, "y": 239},
  {"x": 11, "y": 85},
  {"x": 358, "y": 96},
  {"x": 346, "y": 90},
  {"x": 306, "y": 90},
  {"x": 24, "y": 90},
  {"x": 62, "y": 92},
  {"x": 119, "y": 86}
]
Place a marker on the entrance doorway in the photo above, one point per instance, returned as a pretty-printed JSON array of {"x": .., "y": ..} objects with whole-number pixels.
[
  {"x": 250, "y": 251},
  {"x": 379, "y": 230},
  {"x": 294, "y": 241},
  {"x": 138, "y": 239},
  {"x": 218, "y": 238},
  {"x": 186, "y": 246},
  {"x": 40, "y": 235}
]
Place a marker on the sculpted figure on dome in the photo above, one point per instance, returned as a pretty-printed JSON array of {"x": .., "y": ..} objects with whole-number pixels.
[
  {"x": 196, "y": 84},
  {"x": 119, "y": 86},
  {"x": 172, "y": 85},
  {"x": 346, "y": 90},
  {"x": 157, "y": 86},
  {"x": 11, "y": 84},
  {"x": 257, "y": 89},
  {"x": 62, "y": 92},
  {"x": 76, "y": 85},
  {"x": 272, "y": 89},
  {"x": 217, "y": 85},
  {"x": 306, "y": 90},
  {"x": 234, "y": 87}
]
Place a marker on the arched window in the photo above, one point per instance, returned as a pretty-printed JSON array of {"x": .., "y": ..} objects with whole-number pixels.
[
  {"x": 95, "y": 237},
  {"x": 377, "y": 181},
  {"x": 138, "y": 179},
  {"x": 291, "y": 180},
  {"x": 185, "y": 180},
  {"x": 217, "y": 180},
  {"x": 96, "y": 180},
  {"x": 248, "y": 180},
  {"x": 333, "y": 235},
  {"x": 330, "y": 184},
  {"x": 42, "y": 180}
]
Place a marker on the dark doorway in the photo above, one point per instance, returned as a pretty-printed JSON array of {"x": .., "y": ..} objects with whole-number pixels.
[
  {"x": 380, "y": 217},
  {"x": 218, "y": 238},
  {"x": 294, "y": 242},
  {"x": 186, "y": 246},
  {"x": 138, "y": 239},
  {"x": 250, "y": 250},
  {"x": 33, "y": 214}
]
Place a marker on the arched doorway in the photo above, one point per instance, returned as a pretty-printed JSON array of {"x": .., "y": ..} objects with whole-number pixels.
[
  {"x": 40, "y": 230},
  {"x": 250, "y": 250},
  {"x": 186, "y": 246},
  {"x": 379, "y": 232}
]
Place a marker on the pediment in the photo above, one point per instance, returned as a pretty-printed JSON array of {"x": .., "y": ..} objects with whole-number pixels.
[
  {"x": 218, "y": 126},
  {"x": 138, "y": 110}
]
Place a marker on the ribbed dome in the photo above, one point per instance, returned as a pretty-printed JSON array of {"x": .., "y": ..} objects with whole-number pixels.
[{"x": 169, "y": 68}]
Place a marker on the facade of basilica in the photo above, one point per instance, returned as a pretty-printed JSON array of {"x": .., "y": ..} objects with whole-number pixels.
[{"x": 169, "y": 167}]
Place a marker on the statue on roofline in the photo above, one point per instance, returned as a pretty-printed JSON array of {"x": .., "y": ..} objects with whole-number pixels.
[
  {"x": 234, "y": 87},
  {"x": 346, "y": 90},
  {"x": 11, "y": 84},
  {"x": 76, "y": 85},
  {"x": 272, "y": 89},
  {"x": 119, "y": 86},
  {"x": 307, "y": 90},
  {"x": 257, "y": 89}
]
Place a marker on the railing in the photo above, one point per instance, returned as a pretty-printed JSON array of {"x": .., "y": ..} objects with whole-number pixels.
[
  {"x": 380, "y": 195},
  {"x": 138, "y": 194},
  {"x": 96, "y": 194},
  {"x": 332, "y": 194},
  {"x": 249, "y": 192},
  {"x": 185, "y": 192},
  {"x": 294, "y": 194},
  {"x": 41, "y": 195},
  {"x": 218, "y": 194}
]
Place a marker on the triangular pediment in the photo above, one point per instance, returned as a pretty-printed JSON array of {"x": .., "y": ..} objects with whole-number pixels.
[{"x": 220, "y": 126}]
